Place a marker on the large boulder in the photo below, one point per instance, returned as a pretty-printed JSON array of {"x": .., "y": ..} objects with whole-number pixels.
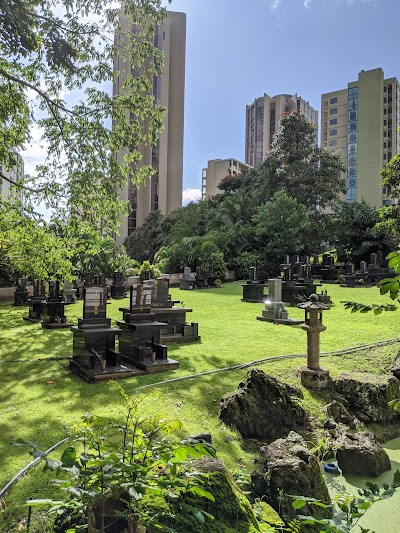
[
  {"x": 289, "y": 468},
  {"x": 231, "y": 511},
  {"x": 368, "y": 396},
  {"x": 360, "y": 453},
  {"x": 395, "y": 369},
  {"x": 263, "y": 407}
]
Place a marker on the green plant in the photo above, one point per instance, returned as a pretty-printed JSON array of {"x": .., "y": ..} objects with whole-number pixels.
[
  {"x": 347, "y": 508},
  {"x": 113, "y": 464},
  {"x": 146, "y": 266}
]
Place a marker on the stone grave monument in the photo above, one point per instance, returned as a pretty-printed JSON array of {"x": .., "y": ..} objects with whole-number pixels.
[
  {"x": 274, "y": 307},
  {"x": 140, "y": 342},
  {"x": 118, "y": 288},
  {"x": 176, "y": 328},
  {"x": 53, "y": 308},
  {"x": 253, "y": 289},
  {"x": 69, "y": 293},
  {"x": 21, "y": 295},
  {"x": 188, "y": 280},
  {"x": 94, "y": 355},
  {"x": 35, "y": 312}
]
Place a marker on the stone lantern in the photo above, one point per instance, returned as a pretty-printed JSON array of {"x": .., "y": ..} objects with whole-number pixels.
[{"x": 312, "y": 375}]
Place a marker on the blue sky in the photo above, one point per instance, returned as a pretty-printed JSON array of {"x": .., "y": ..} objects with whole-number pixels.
[{"x": 239, "y": 49}]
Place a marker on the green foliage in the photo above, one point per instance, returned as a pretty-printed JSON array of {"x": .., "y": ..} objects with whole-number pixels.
[
  {"x": 279, "y": 227},
  {"x": 50, "y": 49},
  {"x": 146, "y": 266},
  {"x": 214, "y": 262},
  {"x": 353, "y": 231},
  {"x": 123, "y": 460},
  {"x": 243, "y": 262},
  {"x": 143, "y": 243},
  {"x": 296, "y": 165},
  {"x": 347, "y": 508}
]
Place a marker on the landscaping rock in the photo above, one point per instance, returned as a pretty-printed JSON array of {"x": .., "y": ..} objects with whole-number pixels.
[
  {"x": 337, "y": 410},
  {"x": 368, "y": 396},
  {"x": 289, "y": 468},
  {"x": 395, "y": 369},
  {"x": 360, "y": 453},
  {"x": 231, "y": 509},
  {"x": 263, "y": 407}
]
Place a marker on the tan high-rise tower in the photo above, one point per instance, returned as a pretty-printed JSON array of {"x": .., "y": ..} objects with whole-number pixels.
[
  {"x": 262, "y": 121},
  {"x": 361, "y": 123},
  {"x": 163, "y": 191}
]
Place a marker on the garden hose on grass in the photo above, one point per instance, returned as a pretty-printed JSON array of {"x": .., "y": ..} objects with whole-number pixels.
[
  {"x": 29, "y": 466},
  {"x": 267, "y": 360}
]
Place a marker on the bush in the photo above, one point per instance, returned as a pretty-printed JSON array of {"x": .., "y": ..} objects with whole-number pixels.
[{"x": 146, "y": 266}]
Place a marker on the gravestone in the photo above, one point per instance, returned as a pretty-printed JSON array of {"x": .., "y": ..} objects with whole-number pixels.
[
  {"x": 94, "y": 355},
  {"x": 118, "y": 287},
  {"x": 35, "y": 312},
  {"x": 253, "y": 290},
  {"x": 274, "y": 307},
  {"x": 140, "y": 342},
  {"x": 21, "y": 295},
  {"x": 69, "y": 293},
  {"x": 53, "y": 308},
  {"x": 176, "y": 328},
  {"x": 188, "y": 281}
]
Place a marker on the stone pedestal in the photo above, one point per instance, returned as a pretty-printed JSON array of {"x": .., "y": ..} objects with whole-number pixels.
[{"x": 314, "y": 379}]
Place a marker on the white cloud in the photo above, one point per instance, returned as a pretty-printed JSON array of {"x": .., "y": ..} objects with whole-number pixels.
[
  {"x": 274, "y": 4},
  {"x": 35, "y": 153},
  {"x": 190, "y": 195},
  {"x": 307, "y": 3}
]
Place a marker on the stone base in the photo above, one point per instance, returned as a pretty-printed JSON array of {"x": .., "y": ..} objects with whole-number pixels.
[
  {"x": 33, "y": 320},
  {"x": 314, "y": 379},
  {"x": 56, "y": 325},
  {"x": 150, "y": 367},
  {"x": 92, "y": 376},
  {"x": 285, "y": 321},
  {"x": 178, "y": 338}
]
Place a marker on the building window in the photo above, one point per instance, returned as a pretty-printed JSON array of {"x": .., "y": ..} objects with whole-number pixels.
[
  {"x": 333, "y": 101},
  {"x": 352, "y": 126},
  {"x": 385, "y": 122},
  {"x": 352, "y": 137},
  {"x": 333, "y": 111},
  {"x": 384, "y": 145},
  {"x": 351, "y": 182},
  {"x": 353, "y": 91},
  {"x": 387, "y": 201},
  {"x": 385, "y": 89},
  {"x": 384, "y": 157},
  {"x": 333, "y": 143},
  {"x": 352, "y": 115},
  {"x": 332, "y": 132},
  {"x": 385, "y": 111},
  {"x": 333, "y": 121},
  {"x": 352, "y": 148}
]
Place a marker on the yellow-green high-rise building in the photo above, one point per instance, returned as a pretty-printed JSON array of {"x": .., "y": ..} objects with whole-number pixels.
[{"x": 361, "y": 122}]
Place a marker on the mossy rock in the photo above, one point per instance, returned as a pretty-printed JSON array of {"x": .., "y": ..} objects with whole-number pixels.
[
  {"x": 267, "y": 514},
  {"x": 231, "y": 510}
]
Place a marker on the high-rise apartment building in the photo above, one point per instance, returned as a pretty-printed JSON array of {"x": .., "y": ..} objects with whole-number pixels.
[
  {"x": 216, "y": 171},
  {"x": 163, "y": 191},
  {"x": 361, "y": 122},
  {"x": 262, "y": 121},
  {"x": 15, "y": 173}
]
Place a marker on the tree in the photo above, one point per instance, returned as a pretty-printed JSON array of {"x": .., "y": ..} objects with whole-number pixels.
[
  {"x": 143, "y": 242},
  {"x": 297, "y": 166},
  {"x": 279, "y": 227},
  {"x": 54, "y": 51},
  {"x": 354, "y": 233}
]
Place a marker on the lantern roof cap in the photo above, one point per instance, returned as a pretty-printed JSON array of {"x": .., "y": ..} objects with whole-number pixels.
[{"x": 313, "y": 303}]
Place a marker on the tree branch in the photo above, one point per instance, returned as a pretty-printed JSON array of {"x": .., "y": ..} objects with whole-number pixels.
[
  {"x": 24, "y": 187},
  {"x": 41, "y": 93}
]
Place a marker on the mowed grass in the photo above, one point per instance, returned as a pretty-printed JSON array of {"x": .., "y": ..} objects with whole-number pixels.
[{"x": 39, "y": 395}]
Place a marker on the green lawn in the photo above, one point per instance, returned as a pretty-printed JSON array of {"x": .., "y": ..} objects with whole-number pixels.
[{"x": 38, "y": 397}]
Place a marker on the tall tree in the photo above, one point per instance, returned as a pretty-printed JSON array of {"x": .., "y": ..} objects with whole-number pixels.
[
  {"x": 56, "y": 51},
  {"x": 296, "y": 165}
]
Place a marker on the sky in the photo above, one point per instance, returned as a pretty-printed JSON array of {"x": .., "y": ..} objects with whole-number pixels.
[{"x": 238, "y": 49}]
